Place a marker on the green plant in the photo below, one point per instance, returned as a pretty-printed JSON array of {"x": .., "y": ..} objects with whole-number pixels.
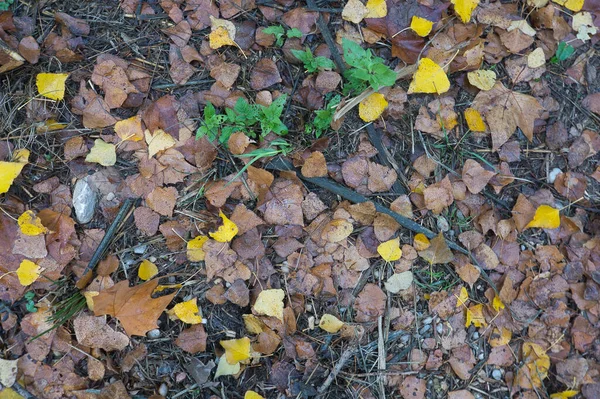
[
  {"x": 564, "y": 51},
  {"x": 4, "y": 4},
  {"x": 312, "y": 63},
  {"x": 244, "y": 117},
  {"x": 323, "y": 117},
  {"x": 367, "y": 70},
  {"x": 30, "y": 304},
  {"x": 280, "y": 33},
  {"x": 276, "y": 147}
]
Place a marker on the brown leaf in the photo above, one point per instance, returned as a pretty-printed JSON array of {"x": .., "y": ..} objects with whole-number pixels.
[
  {"x": 180, "y": 70},
  {"x": 76, "y": 26},
  {"x": 283, "y": 204},
  {"x": 475, "y": 176},
  {"x": 238, "y": 142},
  {"x": 315, "y": 165},
  {"x": 267, "y": 342},
  {"x": 364, "y": 212},
  {"x": 220, "y": 261},
  {"x": 438, "y": 252},
  {"x": 180, "y": 33},
  {"x": 94, "y": 332},
  {"x": 238, "y": 293},
  {"x": 370, "y": 304},
  {"x": 301, "y": 19},
  {"x": 462, "y": 361},
  {"x": 522, "y": 212},
  {"x": 438, "y": 196},
  {"x": 468, "y": 273},
  {"x": 413, "y": 387},
  {"x": 385, "y": 226},
  {"x": 162, "y": 200},
  {"x": 133, "y": 357},
  {"x": 133, "y": 306},
  {"x": 114, "y": 82},
  {"x": 226, "y": 74},
  {"x": 193, "y": 339},
  {"x": 355, "y": 171},
  {"x": 29, "y": 49},
  {"x": 592, "y": 103},
  {"x": 146, "y": 220},
  {"x": 462, "y": 394},
  {"x": 162, "y": 114},
  {"x": 381, "y": 178},
  {"x": 264, "y": 74}
]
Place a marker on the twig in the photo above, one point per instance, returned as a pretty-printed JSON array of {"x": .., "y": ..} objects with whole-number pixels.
[
  {"x": 18, "y": 388},
  {"x": 348, "y": 353},
  {"x": 337, "y": 58}
]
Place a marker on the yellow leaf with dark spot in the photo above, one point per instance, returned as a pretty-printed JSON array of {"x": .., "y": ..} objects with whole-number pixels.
[
  {"x": 236, "y": 350},
  {"x": 51, "y": 85},
  {"x": 147, "y": 270},
  {"x": 421, "y": 26},
  {"x": 376, "y": 9},
  {"x": 30, "y": 224},
  {"x": 195, "y": 253},
  {"x": 464, "y": 8},
  {"x": 545, "y": 217},
  {"x": 500, "y": 337},
  {"x": 372, "y": 107},
  {"x": 226, "y": 231},
  {"x": 270, "y": 303},
  {"x": 28, "y": 272},
  {"x": 429, "y": 78},
  {"x": 10, "y": 170},
  {"x": 474, "y": 120},
  {"x": 475, "y": 316},
  {"x": 390, "y": 250},
  {"x": 330, "y": 323},
  {"x": 187, "y": 312},
  {"x": 102, "y": 153}
]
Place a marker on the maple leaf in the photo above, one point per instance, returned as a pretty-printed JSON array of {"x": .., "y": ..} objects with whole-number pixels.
[{"x": 133, "y": 306}]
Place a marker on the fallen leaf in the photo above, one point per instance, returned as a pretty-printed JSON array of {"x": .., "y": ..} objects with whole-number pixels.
[
  {"x": 421, "y": 242},
  {"x": 464, "y": 8},
  {"x": 130, "y": 129},
  {"x": 413, "y": 388},
  {"x": 537, "y": 362},
  {"x": 354, "y": 11},
  {"x": 497, "y": 304},
  {"x": 421, "y": 26},
  {"x": 226, "y": 231},
  {"x": 8, "y": 372},
  {"x": 10, "y": 170},
  {"x": 330, "y": 323},
  {"x": 264, "y": 74},
  {"x": 51, "y": 85},
  {"x": 95, "y": 333},
  {"x": 193, "y": 339},
  {"x": 376, "y": 9},
  {"x": 30, "y": 224},
  {"x": 390, "y": 250},
  {"x": 545, "y": 217},
  {"x": 220, "y": 37},
  {"x": 195, "y": 253},
  {"x": 187, "y": 312},
  {"x": 372, "y": 107},
  {"x": 370, "y": 304},
  {"x": 482, "y": 79},
  {"x": 474, "y": 120},
  {"x": 462, "y": 297},
  {"x": 270, "y": 303},
  {"x": 573, "y": 5},
  {"x": 133, "y": 306},
  {"x": 475, "y": 176},
  {"x": 474, "y": 315},
  {"x": 564, "y": 394},
  {"x": 536, "y": 58},
  {"x": 238, "y": 142},
  {"x": 147, "y": 270},
  {"x": 337, "y": 230},
  {"x": 438, "y": 252},
  {"x": 399, "y": 282},
  {"x": 224, "y": 368},
  {"x": 102, "y": 153},
  {"x": 315, "y": 165},
  {"x": 28, "y": 272},
  {"x": 159, "y": 141},
  {"x": 236, "y": 350},
  {"x": 253, "y": 395},
  {"x": 162, "y": 200},
  {"x": 500, "y": 337},
  {"x": 429, "y": 78}
]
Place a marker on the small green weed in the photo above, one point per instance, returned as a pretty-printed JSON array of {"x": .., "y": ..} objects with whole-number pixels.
[
  {"x": 312, "y": 63},
  {"x": 367, "y": 70},
  {"x": 276, "y": 147},
  {"x": 281, "y": 33},
  {"x": 5, "y": 4},
  {"x": 30, "y": 304},
  {"x": 563, "y": 52},
  {"x": 323, "y": 117}
]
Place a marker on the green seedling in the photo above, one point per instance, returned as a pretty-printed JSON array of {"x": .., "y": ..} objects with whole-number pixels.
[
  {"x": 276, "y": 147},
  {"x": 5, "y": 4},
  {"x": 366, "y": 69},
  {"x": 30, "y": 304},
  {"x": 323, "y": 117},
  {"x": 281, "y": 33},
  {"x": 563, "y": 52},
  {"x": 312, "y": 63}
]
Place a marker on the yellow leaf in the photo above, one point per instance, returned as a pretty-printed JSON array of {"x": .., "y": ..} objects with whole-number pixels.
[
  {"x": 253, "y": 395},
  {"x": 474, "y": 120},
  {"x": 161, "y": 287},
  {"x": 10, "y": 170},
  {"x": 475, "y": 316},
  {"x": 564, "y": 394},
  {"x": 371, "y": 107},
  {"x": 354, "y": 11},
  {"x": 483, "y": 80},
  {"x": 49, "y": 126},
  {"x": 89, "y": 298},
  {"x": 463, "y": 296},
  {"x": 9, "y": 393},
  {"x": 429, "y": 78},
  {"x": 158, "y": 141},
  {"x": 330, "y": 323},
  {"x": 51, "y": 85},
  {"x": 103, "y": 153},
  {"x": 187, "y": 312},
  {"x": 376, "y": 8},
  {"x": 421, "y": 26},
  {"x": 222, "y": 33},
  {"x": 573, "y": 5},
  {"x": 537, "y": 361},
  {"x": 224, "y": 368},
  {"x": 500, "y": 337},
  {"x": 28, "y": 272},
  {"x": 390, "y": 250},
  {"x": 497, "y": 304},
  {"x": 30, "y": 224},
  {"x": 130, "y": 129},
  {"x": 464, "y": 8},
  {"x": 147, "y": 270},
  {"x": 226, "y": 231},
  {"x": 195, "y": 253},
  {"x": 536, "y": 58},
  {"x": 270, "y": 303},
  {"x": 236, "y": 350},
  {"x": 253, "y": 324},
  {"x": 545, "y": 217},
  {"x": 421, "y": 242}
]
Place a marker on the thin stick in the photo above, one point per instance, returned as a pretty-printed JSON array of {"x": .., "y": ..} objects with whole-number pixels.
[{"x": 348, "y": 353}]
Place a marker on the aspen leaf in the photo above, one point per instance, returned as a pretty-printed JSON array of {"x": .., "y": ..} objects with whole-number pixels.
[
  {"x": 536, "y": 58},
  {"x": 159, "y": 141},
  {"x": 187, "y": 312},
  {"x": 224, "y": 368},
  {"x": 195, "y": 253},
  {"x": 147, "y": 270},
  {"x": 421, "y": 242},
  {"x": 30, "y": 224},
  {"x": 253, "y": 395},
  {"x": 372, "y": 107},
  {"x": 236, "y": 350},
  {"x": 438, "y": 251},
  {"x": 573, "y": 5},
  {"x": 564, "y": 394},
  {"x": 463, "y": 297},
  {"x": 500, "y": 337},
  {"x": 354, "y": 11},
  {"x": 483, "y": 80},
  {"x": 475, "y": 316},
  {"x": 222, "y": 33},
  {"x": 50, "y": 125},
  {"x": 330, "y": 323},
  {"x": 545, "y": 217},
  {"x": 226, "y": 231},
  {"x": 253, "y": 324},
  {"x": 8, "y": 373},
  {"x": 130, "y": 129},
  {"x": 421, "y": 26},
  {"x": 537, "y": 361},
  {"x": 474, "y": 120},
  {"x": 10, "y": 170},
  {"x": 102, "y": 153},
  {"x": 497, "y": 304},
  {"x": 270, "y": 303},
  {"x": 337, "y": 230},
  {"x": 399, "y": 282},
  {"x": 429, "y": 78},
  {"x": 376, "y": 9},
  {"x": 464, "y": 8},
  {"x": 51, "y": 85},
  {"x": 390, "y": 250},
  {"x": 28, "y": 272}
]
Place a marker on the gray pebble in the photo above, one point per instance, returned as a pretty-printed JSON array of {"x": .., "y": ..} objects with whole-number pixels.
[
  {"x": 163, "y": 390},
  {"x": 153, "y": 334},
  {"x": 140, "y": 249},
  {"x": 439, "y": 328},
  {"x": 442, "y": 224},
  {"x": 425, "y": 329},
  {"x": 427, "y": 320},
  {"x": 497, "y": 374},
  {"x": 475, "y": 335}
]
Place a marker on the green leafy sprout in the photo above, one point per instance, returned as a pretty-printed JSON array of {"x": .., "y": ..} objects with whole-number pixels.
[
  {"x": 281, "y": 33},
  {"x": 5, "y": 4},
  {"x": 367, "y": 69},
  {"x": 323, "y": 117},
  {"x": 563, "y": 52},
  {"x": 312, "y": 63}
]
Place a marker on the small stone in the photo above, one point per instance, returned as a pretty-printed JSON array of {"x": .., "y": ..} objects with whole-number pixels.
[
  {"x": 428, "y": 320},
  {"x": 110, "y": 196},
  {"x": 163, "y": 390},
  {"x": 497, "y": 374},
  {"x": 425, "y": 329},
  {"x": 475, "y": 335},
  {"x": 442, "y": 224},
  {"x": 84, "y": 201},
  {"x": 553, "y": 175},
  {"x": 480, "y": 356},
  {"x": 153, "y": 334},
  {"x": 439, "y": 328},
  {"x": 140, "y": 249}
]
